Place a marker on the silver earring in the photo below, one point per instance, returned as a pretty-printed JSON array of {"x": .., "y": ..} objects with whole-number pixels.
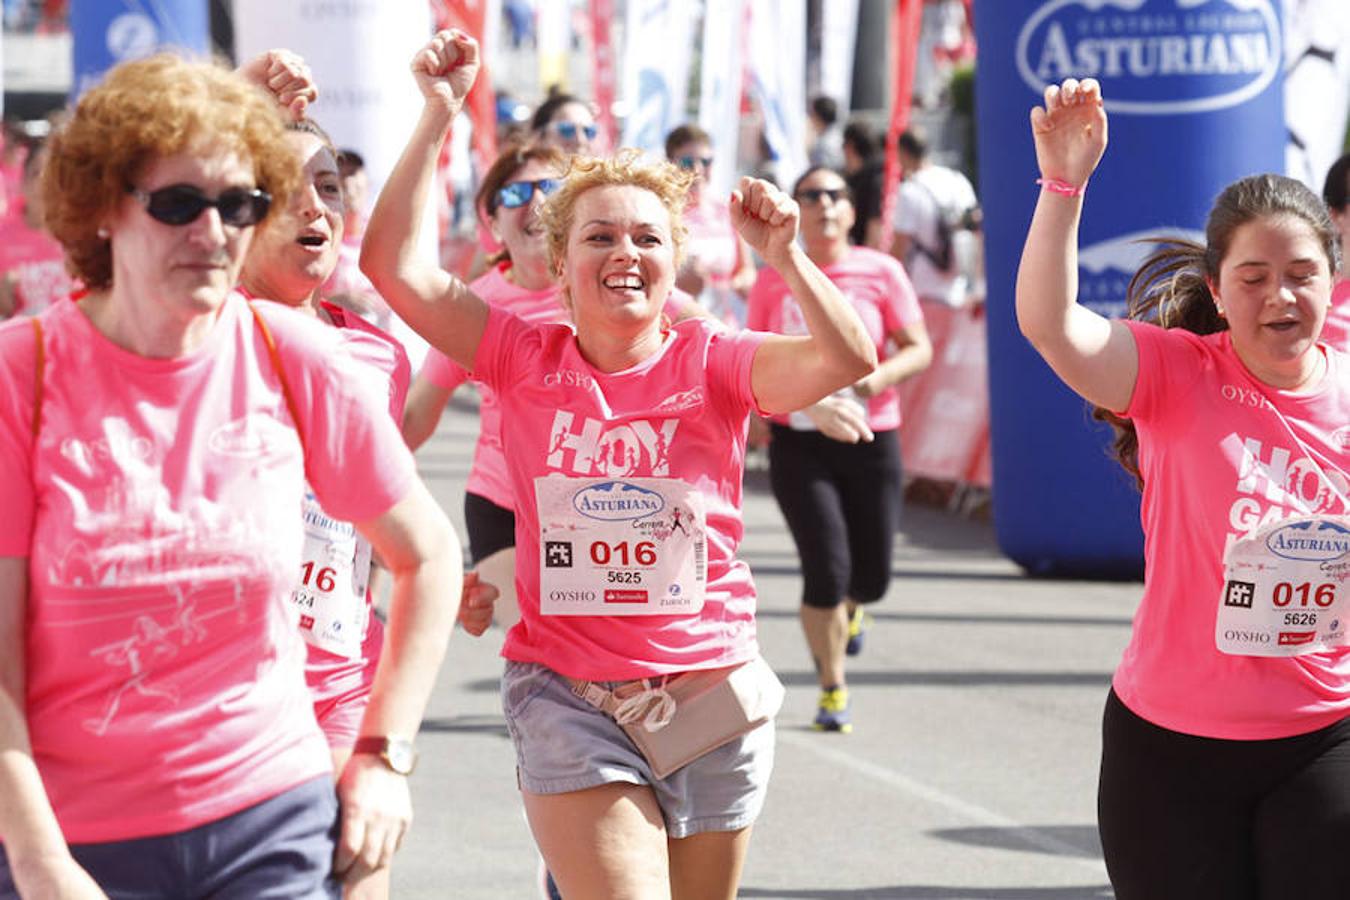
[{"x": 103, "y": 234}]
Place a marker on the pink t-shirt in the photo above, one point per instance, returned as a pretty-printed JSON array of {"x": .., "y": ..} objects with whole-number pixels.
[
  {"x": 38, "y": 264},
  {"x": 488, "y": 478},
  {"x": 680, "y": 415},
  {"x": 1336, "y": 330},
  {"x": 1222, "y": 454},
  {"x": 160, "y": 515},
  {"x": 879, "y": 291}
]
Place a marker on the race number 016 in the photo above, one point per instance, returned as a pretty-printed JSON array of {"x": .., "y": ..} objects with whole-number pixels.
[
  {"x": 643, "y": 553},
  {"x": 1285, "y": 593}
]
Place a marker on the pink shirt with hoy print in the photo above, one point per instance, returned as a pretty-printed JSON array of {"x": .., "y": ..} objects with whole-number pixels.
[
  {"x": 160, "y": 515},
  {"x": 875, "y": 285},
  {"x": 682, "y": 415},
  {"x": 1221, "y": 455}
]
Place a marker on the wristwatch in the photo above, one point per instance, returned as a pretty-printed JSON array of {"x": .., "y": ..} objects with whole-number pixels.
[{"x": 398, "y": 753}]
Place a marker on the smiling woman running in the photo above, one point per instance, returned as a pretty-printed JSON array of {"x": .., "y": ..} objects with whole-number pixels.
[{"x": 630, "y": 421}]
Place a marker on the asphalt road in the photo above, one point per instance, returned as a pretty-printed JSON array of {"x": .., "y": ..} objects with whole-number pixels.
[{"x": 971, "y": 771}]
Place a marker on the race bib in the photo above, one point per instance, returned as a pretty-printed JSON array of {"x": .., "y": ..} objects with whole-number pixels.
[
  {"x": 620, "y": 547},
  {"x": 334, "y": 574},
  {"x": 1285, "y": 591}
]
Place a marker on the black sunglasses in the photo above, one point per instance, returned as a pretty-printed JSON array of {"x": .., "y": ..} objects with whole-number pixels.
[
  {"x": 515, "y": 194},
  {"x": 179, "y": 204},
  {"x": 688, "y": 162},
  {"x": 814, "y": 195}
]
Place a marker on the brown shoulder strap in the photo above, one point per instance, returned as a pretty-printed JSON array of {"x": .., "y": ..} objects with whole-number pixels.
[
  {"x": 41, "y": 364},
  {"x": 281, "y": 373}
]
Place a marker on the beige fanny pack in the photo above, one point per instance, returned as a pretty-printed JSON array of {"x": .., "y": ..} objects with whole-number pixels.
[{"x": 676, "y": 719}]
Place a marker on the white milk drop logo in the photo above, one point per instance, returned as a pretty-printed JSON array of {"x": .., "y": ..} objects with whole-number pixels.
[
  {"x": 1106, "y": 267},
  {"x": 1155, "y": 56}
]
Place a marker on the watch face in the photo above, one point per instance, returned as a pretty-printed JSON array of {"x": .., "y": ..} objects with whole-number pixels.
[{"x": 400, "y": 755}]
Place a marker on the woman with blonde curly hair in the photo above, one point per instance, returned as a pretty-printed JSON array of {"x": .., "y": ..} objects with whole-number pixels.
[
  {"x": 625, "y": 451},
  {"x": 156, "y": 435}
]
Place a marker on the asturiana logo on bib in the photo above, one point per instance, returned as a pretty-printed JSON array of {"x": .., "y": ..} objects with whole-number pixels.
[
  {"x": 1155, "y": 56},
  {"x": 614, "y": 501},
  {"x": 1310, "y": 541}
]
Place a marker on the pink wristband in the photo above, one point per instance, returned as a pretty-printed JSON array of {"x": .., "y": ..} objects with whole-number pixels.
[{"x": 1055, "y": 186}]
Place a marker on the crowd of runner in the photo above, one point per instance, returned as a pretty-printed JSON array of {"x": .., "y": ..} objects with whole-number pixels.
[{"x": 204, "y": 449}]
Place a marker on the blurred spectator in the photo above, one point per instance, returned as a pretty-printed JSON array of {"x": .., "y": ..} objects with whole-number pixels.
[
  {"x": 1336, "y": 195},
  {"x": 718, "y": 268},
  {"x": 32, "y": 264},
  {"x": 865, "y": 171},
  {"x": 13, "y": 152},
  {"x": 348, "y": 287},
  {"x": 826, "y": 141},
  {"x": 566, "y": 122},
  {"x": 934, "y": 204}
]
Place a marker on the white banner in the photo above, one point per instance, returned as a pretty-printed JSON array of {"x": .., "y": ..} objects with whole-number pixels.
[
  {"x": 658, "y": 44},
  {"x": 719, "y": 106},
  {"x": 1316, "y": 86},
  {"x": 359, "y": 53},
  {"x": 778, "y": 80},
  {"x": 838, "y": 38},
  {"x": 553, "y": 28}
]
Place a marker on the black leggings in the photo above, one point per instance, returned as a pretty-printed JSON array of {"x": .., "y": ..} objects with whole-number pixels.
[
  {"x": 842, "y": 505},
  {"x": 1193, "y": 818}
]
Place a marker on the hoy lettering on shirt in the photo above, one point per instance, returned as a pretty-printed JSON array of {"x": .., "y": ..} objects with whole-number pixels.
[{"x": 622, "y": 449}]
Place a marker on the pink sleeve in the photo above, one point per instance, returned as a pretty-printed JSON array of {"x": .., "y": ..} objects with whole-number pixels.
[
  {"x": 730, "y": 358},
  {"x": 1167, "y": 358},
  {"x": 442, "y": 371},
  {"x": 502, "y": 339},
  {"x": 355, "y": 458},
  {"x": 18, "y": 385}
]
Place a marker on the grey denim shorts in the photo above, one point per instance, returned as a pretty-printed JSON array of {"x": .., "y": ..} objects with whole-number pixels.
[{"x": 564, "y": 744}]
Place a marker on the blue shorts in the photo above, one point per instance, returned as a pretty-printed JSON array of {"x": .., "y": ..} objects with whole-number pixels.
[
  {"x": 564, "y": 744},
  {"x": 281, "y": 848}
]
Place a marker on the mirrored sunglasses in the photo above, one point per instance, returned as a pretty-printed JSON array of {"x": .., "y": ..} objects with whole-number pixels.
[
  {"x": 568, "y": 130},
  {"x": 689, "y": 162},
  {"x": 515, "y": 194},
  {"x": 814, "y": 195},
  {"x": 179, "y": 204}
]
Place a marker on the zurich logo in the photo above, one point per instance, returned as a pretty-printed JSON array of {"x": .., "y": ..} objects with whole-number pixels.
[
  {"x": 615, "y": 501},
  {"x": 1310, "y": 540},
  {"x": 1155, "y": 56}
]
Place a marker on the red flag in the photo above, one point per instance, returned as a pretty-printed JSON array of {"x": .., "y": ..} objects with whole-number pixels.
[
  {"x": 602, "y": 14},
  {"x": 470, "y": 16},
  {"x": 905, "y": 22}
]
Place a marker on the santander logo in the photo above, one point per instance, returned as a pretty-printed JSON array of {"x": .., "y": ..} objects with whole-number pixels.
[{"x": 1155, "y": 56}]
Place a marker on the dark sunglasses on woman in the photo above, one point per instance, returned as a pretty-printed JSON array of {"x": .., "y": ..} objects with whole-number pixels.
[
  {"x": 179, "y": 204},
  {"x": 515, "y": 194},
  {"x": 814, "y": 195}
]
